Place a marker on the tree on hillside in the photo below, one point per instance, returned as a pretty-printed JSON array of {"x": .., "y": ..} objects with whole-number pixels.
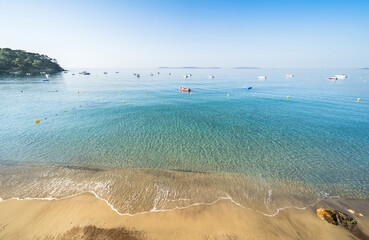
[{"x": 20, "y": 60}]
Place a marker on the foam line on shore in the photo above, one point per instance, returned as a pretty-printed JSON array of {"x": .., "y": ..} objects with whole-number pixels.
[{"x": 229, "y": 198}]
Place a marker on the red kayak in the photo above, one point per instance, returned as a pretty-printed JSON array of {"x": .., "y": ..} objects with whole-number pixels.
[
  {"x": 185, "y": 89},
  {"x": 332, "y": 78}
]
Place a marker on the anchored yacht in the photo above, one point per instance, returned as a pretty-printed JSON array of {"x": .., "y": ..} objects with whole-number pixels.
[{"x": 341, "y": 76}]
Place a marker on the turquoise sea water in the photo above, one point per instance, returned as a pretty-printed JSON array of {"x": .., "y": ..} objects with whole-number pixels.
[{"x": 311, "y": 145}]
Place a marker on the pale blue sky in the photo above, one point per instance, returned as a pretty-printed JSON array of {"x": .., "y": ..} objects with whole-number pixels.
[{"x": 114, "y": 34}]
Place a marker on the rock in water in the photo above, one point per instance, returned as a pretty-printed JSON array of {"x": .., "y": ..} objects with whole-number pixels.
[{"x": 337, "y": 218}]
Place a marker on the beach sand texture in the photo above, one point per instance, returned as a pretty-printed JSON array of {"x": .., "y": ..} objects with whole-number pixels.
[{"x": 87, "y": 217}]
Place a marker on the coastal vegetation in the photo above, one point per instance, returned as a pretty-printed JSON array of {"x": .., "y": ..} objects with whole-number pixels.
[{"x": 26, "y": 62}]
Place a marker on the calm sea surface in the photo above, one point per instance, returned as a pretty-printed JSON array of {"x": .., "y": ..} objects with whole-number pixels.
[{"x": 163, "y": 149}]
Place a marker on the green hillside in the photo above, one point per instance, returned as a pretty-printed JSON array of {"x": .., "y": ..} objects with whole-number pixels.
[{"x": 22, "y": 61}]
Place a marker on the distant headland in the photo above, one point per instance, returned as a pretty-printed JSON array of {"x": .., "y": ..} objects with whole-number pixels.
[
  {"x": 27, "y": 62},
  {"x": 206, "y": 68},
  {"x": 246, "y": 68},
  {"x": 189, "y": 67}
]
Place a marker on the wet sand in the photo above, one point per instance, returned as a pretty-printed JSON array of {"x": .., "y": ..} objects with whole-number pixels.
[{"x": 87, "y": 217}]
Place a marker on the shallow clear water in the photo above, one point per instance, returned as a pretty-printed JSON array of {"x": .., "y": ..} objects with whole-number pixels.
[{"x": 315, "y": 142}]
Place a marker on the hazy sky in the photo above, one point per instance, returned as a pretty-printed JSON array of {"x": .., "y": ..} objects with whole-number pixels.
[{"x": 282, "y": 34}]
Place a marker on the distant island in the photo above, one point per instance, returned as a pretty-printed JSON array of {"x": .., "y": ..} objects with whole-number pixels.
[
  {"x": 26, "y": 62},
  {"x": 206, "y": 68},
  {"x": 189, "y": 67},
  {"x": 245, "y": 68}
]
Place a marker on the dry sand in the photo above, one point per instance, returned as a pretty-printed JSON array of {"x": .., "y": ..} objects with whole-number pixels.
[{"x": 87, "y": 217}]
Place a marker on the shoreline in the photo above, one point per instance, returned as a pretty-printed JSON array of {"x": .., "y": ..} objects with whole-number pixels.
[
  {"x": 74, "y": 202},
  {"x": 137, "y": 191},
  {"x": 76, "y": 215},
  {"x": 177, "y": 208}
]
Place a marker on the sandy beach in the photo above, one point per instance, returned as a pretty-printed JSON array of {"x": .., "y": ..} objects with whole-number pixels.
[
  {"x": 87, "y": 217},
  {"x": 184, "y": 120}
]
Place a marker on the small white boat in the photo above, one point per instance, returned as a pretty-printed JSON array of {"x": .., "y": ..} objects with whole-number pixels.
[
  {"x": 289, "y": 75},
  {"x": 341, "y": 76},
  {"x": 47, "y": 75},
  {"x": 28, "y": 74},
  {"x": 262, "y": 77},
  {"x": 185, "y": 76},
  {"x": 211, "y": 76}
]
